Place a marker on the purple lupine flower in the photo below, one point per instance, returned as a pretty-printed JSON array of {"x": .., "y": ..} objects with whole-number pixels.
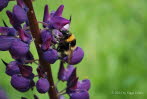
[
  {"x": 83, "y": 84},
  {"x": 72, "y": 81},
  {"x": 46, "y": 45},
  {"x": 22, "y": 5},
  {"x": 76, "y": 57},
  {"x": 6, "y": 42},
  {"x": 42, "y": 85},
  {"x": 50, "y": 56},
  {"x": 45, "y": 35},
  {"x": 8, "y": 31},
  {"x": 13, "y": 20},
  {"x": 46, "y": 15},
  {"x": 54, "y": 19},
  {"x": 12, "y": 68},
  {"x": 25, "y": 36},
  {"x": 3, "y": 4},
  {"x": 58, "y": 22},
  {"x": 19, "y": 49},
  {"x": 59, "y": 11},
  {"x": 79, "y": 95},
  {"x": 20, "y": 83},
  {"x": 64, "y": 74},
  {"x": 20, "y": 14},
  {"x": 46, "y": 39}
]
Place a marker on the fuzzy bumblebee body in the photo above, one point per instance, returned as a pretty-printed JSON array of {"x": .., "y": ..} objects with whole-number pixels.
[{"x": 67, "y": 44}]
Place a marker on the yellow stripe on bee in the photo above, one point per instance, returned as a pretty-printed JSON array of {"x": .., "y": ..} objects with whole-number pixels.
[{"x": 71, "y": 38}]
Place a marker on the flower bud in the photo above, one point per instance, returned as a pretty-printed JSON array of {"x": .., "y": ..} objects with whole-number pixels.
[
  {"x": 20, "y": 13},
  {"x": 12, "y": 68},
  {"x": 50, "y": 56},
  {"x": 64, "y": 74},
  {"x": 46, "y": 15},
  {"x": 76, "y": 57},
  {"x": 42, "y": 85},
  {"x": 19, "y": 48},
  {"x": 13, "y": 20},
  {"x": 20, "y": 83},
  {"x": 59, "y": 11},
  {"x": 6, "y": 42}
]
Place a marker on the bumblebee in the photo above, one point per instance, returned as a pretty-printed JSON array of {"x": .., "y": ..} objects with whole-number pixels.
[{"x": 67, "y": 43}]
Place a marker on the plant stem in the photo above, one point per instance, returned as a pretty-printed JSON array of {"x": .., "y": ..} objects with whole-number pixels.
[{"x": 36, "y": 35}]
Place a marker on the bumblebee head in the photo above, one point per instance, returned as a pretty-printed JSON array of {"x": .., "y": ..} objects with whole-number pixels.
[{"x": 66, "y": 34}]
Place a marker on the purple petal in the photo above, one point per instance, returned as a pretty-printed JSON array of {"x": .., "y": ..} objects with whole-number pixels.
[
  {"x": 61, "y": 71},
  {"x": 50, "y": 56},
  {"x": 59, "y": 11},
  {"x": 45, "y": 35},
  {"x": 59, "y": 22},
  {"x": 42, "y": 85},
  {"x": 20, "y": 83},
  {"x": 20, "y": 3},
  {"x": 64, "y": 74},
  {"x": 19, "y": 48},
  {"x": 77, "y": 56},
  {"x": 8, "y": 31},
  {"x": 6, "y": 42},
  {"x": 46, "y": 14},
  {"x": 12, "y": 68},
  {"x": 3, "y": 4},
  {"x": 20, "y": 14},
  {"x": 25, "y": 36},
  {"x": 83, "y": 84},
  {"x": 46, "y": 45},
  {"x": 79, "y": 95},
  {"x": 13, "y": 20},
  {"x": 72, "y": 81}
]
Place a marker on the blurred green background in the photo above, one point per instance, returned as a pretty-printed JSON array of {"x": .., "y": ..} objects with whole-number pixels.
[{"x": 113, "y": 34}]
